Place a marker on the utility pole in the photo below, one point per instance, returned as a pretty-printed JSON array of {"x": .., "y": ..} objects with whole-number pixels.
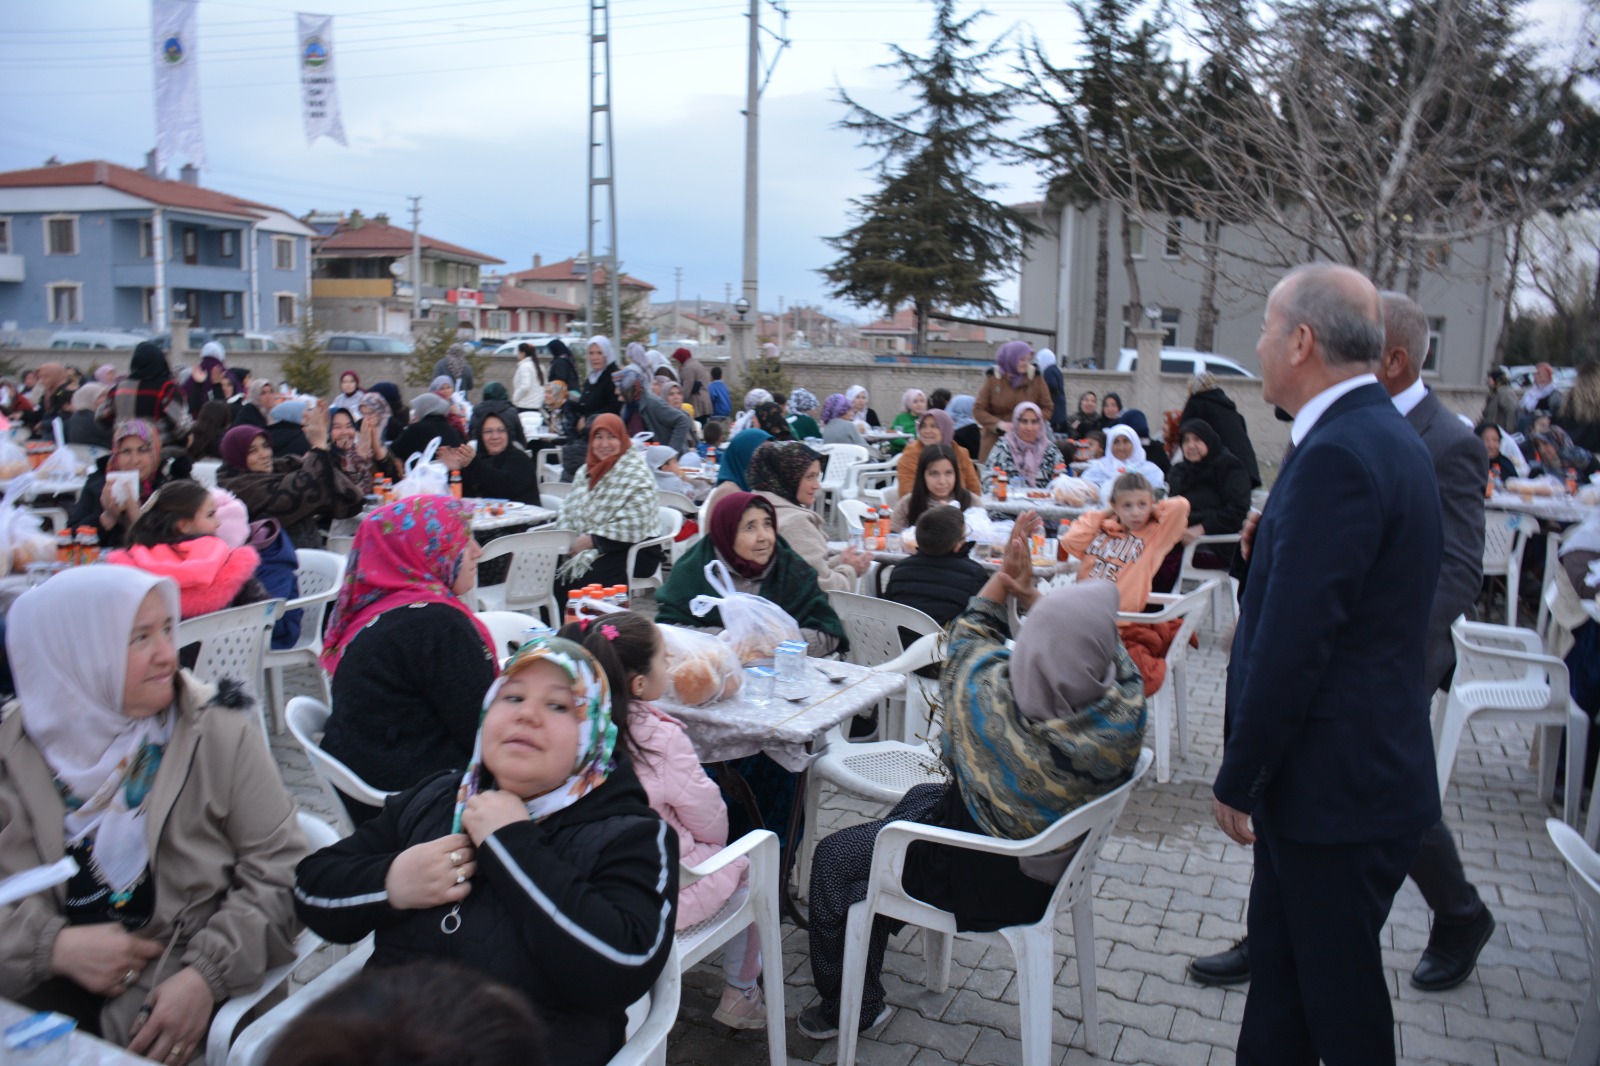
[
  {"x": 416, "y": 259},
  {"x": 755, "y": 83},
  {"x": 602, "y": 162}
]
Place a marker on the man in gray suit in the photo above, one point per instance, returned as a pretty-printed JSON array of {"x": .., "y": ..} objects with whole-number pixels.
[{"x": 1462, "y": 922}]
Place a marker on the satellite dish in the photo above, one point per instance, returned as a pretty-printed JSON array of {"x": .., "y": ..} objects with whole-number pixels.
[{"x": 398, "y": 268}]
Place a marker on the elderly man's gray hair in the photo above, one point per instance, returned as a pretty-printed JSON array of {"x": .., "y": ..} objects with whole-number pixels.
[
  {"x": 1405, "y": 326},
  {"x": 1320, "y": 295}
]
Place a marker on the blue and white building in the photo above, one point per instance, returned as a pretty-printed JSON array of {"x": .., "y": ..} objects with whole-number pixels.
[{"x": 91, "y": 246}]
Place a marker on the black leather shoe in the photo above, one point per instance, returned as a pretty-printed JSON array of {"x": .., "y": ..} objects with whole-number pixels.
[
  {"x": 1452, "y": 952},
  {"x": 1231, "y": 967}
]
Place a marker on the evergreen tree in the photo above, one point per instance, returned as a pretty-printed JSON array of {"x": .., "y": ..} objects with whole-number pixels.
[
  {"x": 931, "y": 235},
  {"x": 430, "y": 348},
  {"x": 305, "y": 366}
]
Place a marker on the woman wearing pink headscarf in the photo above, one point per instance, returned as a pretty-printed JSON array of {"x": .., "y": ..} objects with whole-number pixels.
[
  {"x": 1013, "y": 380},
  {"x": 409, "y": 659},
  {"x": 1025, "y": 453}
]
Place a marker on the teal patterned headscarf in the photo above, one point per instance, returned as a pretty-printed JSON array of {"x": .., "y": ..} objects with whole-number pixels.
[{"x": 597, "y": 733}]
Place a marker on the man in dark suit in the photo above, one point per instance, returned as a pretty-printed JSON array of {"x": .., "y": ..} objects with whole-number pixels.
[
  {"x": 1461, "y": 921},
  {"x": 1328, "y": 765}
]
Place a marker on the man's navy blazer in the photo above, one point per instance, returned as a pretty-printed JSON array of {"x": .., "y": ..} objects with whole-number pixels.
[{"x": 1329, "y": 738}]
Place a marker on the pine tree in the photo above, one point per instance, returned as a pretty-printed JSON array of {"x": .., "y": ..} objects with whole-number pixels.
[
  {"x": 430, "y": 348},
  {"x": 931, "y": 235},
  {"x": 305, "y": 366}
]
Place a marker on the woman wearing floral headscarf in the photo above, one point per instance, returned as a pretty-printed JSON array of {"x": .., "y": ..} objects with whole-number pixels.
[
  {"x": 410, "y": 661},
  {"x": 159, "y": 786},
  {"x": 837, "y": 425},
  {"x": 801, "y": 404},
  {"x": 1026, "y": 454},
  {"x": 1014, "y": 379},
  {"x": 613, "y": 505},
  {"x": 135, "y": 447},
  {"x": 769, "y": 416},
  {"x": 543, "y": 865},
  {"x": 789, "y": 475}
]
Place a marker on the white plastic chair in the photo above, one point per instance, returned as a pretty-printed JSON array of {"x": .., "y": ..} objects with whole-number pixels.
[
  {"x": 873, "y": 626},
  {"x": 678, "y": 501},
  {"x": 889, "y": 495},
  {"x": 836, "y": 475},
  {"x": 1227, "y": 588},
  {"x": 553, "y": 490},
  {"x": 647, "y": 1044},
  {"x": 759, "y": 906},
  {"x": 232, "y": 643},
  {"x": 1171, "y": 701},
  {"x": 878, "y": 770},
  {"x": 307, "y": 720},
  {"x": 319, "y": 574},
  {"x": 509, "y": 630},
  {"x": 671, "y": 523},
  {"x": 319, "y": 834},
  {"x": 1537, "y": 693},
  {"x": 1583, "y": 879},
  {"x": 255, "y": 1043},
  {"x": 1506, "y": 534},
  {"x": 1033, "y": 945},
  {"x": 867, "y": 478},
  {"x": 340, "y": 545},
  {"x": 530, "y": 582},
  {"x": 853, "y": 511}
]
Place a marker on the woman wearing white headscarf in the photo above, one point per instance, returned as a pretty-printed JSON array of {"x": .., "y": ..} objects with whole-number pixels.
[
  {"x": 747, "y": 417},
  {"x": 1124, "y": 454},
  {"x": 1045, "y": 359},
  {"x": 162, "y": 789}
]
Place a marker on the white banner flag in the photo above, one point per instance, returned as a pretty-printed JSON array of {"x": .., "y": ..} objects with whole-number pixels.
[
  {"x": 317, "y": 87},
  {"x": 178, "y": 136}
]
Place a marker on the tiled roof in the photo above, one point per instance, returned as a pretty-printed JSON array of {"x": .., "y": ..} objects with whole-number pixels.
[
  {"x": 178, "y": 194},
  {"x": 905, "y": 322},
  {"x": 380, "y": 238},
  {"x": 509, "y": 296},
  {"x": 566, "y": 270}
]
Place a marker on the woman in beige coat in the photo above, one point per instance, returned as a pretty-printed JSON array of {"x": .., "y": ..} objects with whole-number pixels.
[
  {"x": 163, "y": 791},
  {"x": 1013, "y": 380},
  {"x": 789, "y": 474}
]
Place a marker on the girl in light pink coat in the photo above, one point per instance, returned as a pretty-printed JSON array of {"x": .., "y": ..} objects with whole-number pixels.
[{"x": 689, "y": 802}]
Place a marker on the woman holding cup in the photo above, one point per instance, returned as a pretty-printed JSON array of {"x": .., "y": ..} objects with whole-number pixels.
[{"x": 114, "y": 493}]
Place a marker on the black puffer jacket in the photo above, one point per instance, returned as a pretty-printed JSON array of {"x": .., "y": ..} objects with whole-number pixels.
[
  {"x": 1215, "y": 409},
  {"x": 937, "y": 585},
  {"x": 577, "y": 911},
  {"x": 1217, "y": 487}
]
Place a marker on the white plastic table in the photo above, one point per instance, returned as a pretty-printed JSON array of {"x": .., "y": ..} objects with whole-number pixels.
[
  {"x": 1015, "y": 503},
  {"x": 84, "y": 1050},
  {"x": 71, "y": 486},
  {"x": 783, "y": 728},
  {"x": 516, "y": 514},
  {"x": 1563, "y": 509}
]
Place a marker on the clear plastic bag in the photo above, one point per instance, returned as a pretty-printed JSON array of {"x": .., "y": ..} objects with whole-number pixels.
[
  {"x": 61, "y": 464},
  {"x": 700, "y": 668},
  {"x": 1069, "y": 491},
  {"x": 752, "y": 626},
  {"x": 13, "y": 459},
  {"x": 21, "y": 540},
  {"x": 981, "y": 529},
  {"x": 424, "y": 477}
]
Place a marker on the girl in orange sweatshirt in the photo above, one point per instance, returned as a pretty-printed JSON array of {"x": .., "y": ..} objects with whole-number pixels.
[{"x": 1126, "y": 546}]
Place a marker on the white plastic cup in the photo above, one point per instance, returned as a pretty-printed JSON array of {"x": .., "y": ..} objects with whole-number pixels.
[
  {"x": 758, "y": 684},
  {"x": 205, "y": 472},
  {"x": 124, "y": 486}
]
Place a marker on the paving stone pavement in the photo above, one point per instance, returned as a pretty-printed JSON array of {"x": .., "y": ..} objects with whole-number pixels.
[{"x": 1170, "y": 886}]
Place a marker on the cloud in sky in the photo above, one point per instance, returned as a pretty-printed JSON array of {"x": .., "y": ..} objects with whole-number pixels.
[{"x": 480, "y": 107}]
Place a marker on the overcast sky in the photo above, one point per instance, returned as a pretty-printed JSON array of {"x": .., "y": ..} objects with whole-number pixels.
[{"x": 480, "y": 107}]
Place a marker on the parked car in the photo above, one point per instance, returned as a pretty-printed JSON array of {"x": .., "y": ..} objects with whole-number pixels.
[
  {"x": 198, "y": 338},
  {"x": 368, "y": 342},
  {"x": 1186, "y": 361},
  {"x": 511, "y": 344},
  {"x": 248, "y": 342},
  {"x": 88, "y": 338},
  {"x": 1522, "y": 376}
]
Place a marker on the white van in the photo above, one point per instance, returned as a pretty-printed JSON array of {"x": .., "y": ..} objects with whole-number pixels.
[
  {"x": 1186, "y": 361},
  {"x": 83, "y": 338}
]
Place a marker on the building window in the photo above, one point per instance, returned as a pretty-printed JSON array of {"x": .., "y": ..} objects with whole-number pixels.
[
  {"x": 191, "y": 245},
  {"x": 226, "y": 243},
  {"x": 147, "y": 304},
  {"x": 285, "y": 302},
  {"x": 1430, "y": 365},
  {"x": 549, "y": 290},
  {"x": 230, "y": 305},
  {"x": 147, "y": 238},
  {"x": 283, "y": 253},
  {"x": 61, "y": 235},
  {"x": 66, "y": 302},
  {"x": 5, "y": 236},
  {"x": 500, "y": 320},
  {"x": 1171, "y": 322},
  {"x": 1174, "y": 246},
  {"x": 1135, "y": 239}
]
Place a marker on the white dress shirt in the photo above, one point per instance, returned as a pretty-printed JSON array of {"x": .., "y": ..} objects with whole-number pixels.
[{"x": 1319, "y": 404}]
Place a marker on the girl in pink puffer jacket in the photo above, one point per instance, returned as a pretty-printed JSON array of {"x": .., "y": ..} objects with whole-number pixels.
[{"x": 687, "y": 800}]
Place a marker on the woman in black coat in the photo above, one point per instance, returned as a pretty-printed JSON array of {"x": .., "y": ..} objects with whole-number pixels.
[
  {"x": 429, "y": 419},
  {"x": 1208, "y": 403},
  {"x": 498, "y": 469},
  {"x": 1217, "y": 487}
]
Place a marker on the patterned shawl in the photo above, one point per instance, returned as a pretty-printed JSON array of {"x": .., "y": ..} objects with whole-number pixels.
[
  {"x": 1017, "y": 774},
  {"x": 623, "y": 505},
  {"x": 407, "y": 552}
]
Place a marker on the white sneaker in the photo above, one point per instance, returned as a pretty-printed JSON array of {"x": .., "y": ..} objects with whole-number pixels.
[{"x": 742, "y": 1008}]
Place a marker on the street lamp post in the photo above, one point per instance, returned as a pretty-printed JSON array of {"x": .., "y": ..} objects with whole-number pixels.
[
  {"x": 1147, "y": 373},
  {"x": 739, "y": 348}
]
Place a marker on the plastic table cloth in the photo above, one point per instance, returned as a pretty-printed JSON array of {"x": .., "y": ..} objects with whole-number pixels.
[
  {"x": 1015, "y": 503},
  {"x": 81, "y": 1048},
  {"x": 785, "y": 726},
  {"x": 1562, "y": 509},
  {"x": 516, "y": 514}
]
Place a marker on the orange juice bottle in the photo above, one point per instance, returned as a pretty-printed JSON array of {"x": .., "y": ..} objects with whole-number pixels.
[
  {"x": 1001, "y": 480},
  {"x": 88, "y": 545},
  {"x": 66, "y": 551},
  {"x": 885, "y": 520},
  {"x": 571, "y": 614},
  {"x": 455, "y": 484}
]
